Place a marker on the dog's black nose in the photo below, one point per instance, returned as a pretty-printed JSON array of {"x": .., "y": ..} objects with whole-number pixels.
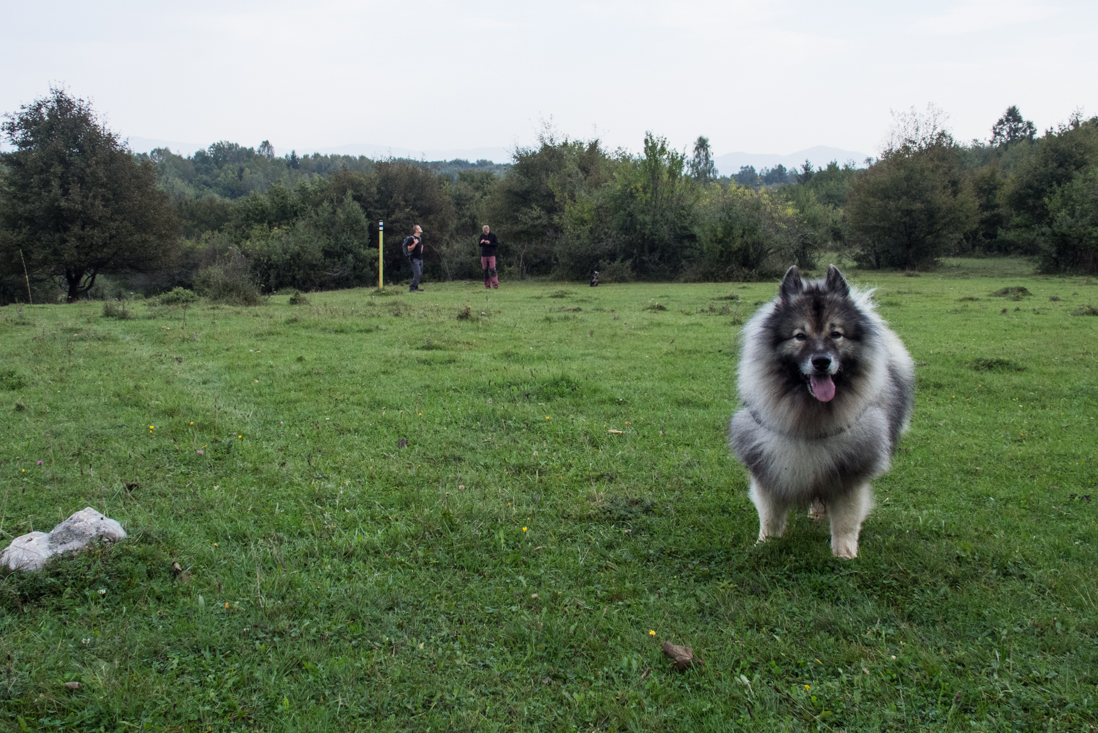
[{"x": 821, "y": 363}]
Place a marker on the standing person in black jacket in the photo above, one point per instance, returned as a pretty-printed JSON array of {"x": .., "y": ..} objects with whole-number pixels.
[
  {"x": 413, "y": 249},
  {"x": 488, "y": 245}
]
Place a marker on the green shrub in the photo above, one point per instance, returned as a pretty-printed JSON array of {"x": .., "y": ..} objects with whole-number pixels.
[
  {"x": 745, "y": 235},
  {"x": 618, "y": 271},
  {"x": 1070, "y": 242},
  {"x": 229, "y": 281},
  {"x": 116, "y": 309},
  {"x": 178, "y": 296}
]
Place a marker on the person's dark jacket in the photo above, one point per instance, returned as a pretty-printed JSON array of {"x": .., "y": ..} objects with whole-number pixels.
[
  {"x": 488, "y": 244},
  {"x": 413, "y": 247}
]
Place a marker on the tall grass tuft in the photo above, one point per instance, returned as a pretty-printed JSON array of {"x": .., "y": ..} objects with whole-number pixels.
[{"x": 116, "y": 309}]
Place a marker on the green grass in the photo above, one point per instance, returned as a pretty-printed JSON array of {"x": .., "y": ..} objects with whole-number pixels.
[{"x": 409, "y": 513}]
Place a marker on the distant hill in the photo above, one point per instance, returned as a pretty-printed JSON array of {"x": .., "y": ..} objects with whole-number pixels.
[
  {"x": 147, "y": 145},
  {"x": 374, "y": 152},
  {"x": 730, "y": 163}
]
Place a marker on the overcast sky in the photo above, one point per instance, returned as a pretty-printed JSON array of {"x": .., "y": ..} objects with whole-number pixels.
[{"x": 752, "y": 75}]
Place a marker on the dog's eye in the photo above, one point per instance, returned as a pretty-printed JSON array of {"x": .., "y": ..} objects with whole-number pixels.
[
  {"x": 800, "y": 336},
  {"x": 836, "y": 335}
]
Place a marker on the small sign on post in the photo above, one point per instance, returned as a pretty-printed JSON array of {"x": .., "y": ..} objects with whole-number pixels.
[{"x": 380, "y": 259}]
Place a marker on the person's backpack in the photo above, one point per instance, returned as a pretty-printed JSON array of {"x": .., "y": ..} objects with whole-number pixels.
[{"x": 408, "y": 245}]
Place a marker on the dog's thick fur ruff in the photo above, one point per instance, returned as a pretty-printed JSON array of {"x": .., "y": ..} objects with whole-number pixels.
[{"x": 827, "y": 390}]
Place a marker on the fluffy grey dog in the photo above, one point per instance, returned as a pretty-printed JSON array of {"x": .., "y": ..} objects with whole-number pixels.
[{"x": 827, "y": 390}]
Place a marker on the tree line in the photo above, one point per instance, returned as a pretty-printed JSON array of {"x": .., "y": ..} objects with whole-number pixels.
[{"x": 75, "y": 204}]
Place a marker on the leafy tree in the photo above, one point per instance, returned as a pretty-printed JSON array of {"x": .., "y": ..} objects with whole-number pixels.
[
  {"x": 744, "y": 234},
  {"x": 779, "y": 175},
  {"x": 988, "y": 185},
  {"x": 321, "y": 232},
  {"x": 652, "y": 205},
  {"x": 823, "y": 226},
  {"x": 1053, "y": 162},
  {"x": 407, "y": 193},
  {"x": 702, "y": 168},
  {"x": 747, "y": 176},
  {"x": 198, "y": 216},
  {"x": 452, "y": 169},
  {"x": 531, "y": 201},
  {"x": 327, "y": 247},
  {"x": 831, "y": 184},
  {"x": 1070, "y": 241},
  {"x": 916, "y": 203},
  {"x": 470, "y": 191},
  {"x": 804, "y": 175},
  {"x": 589, "y": 240},
  {"x": 913, "y": 131},
  {"x": 911, "y": 208},
  {"x": 229, "y": 170},
  {"x": 1011, "y": 128},
  {"x": 76, "y": 202}
]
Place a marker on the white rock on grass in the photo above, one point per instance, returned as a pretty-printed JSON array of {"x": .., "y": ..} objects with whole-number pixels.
[
  {"x": 28, "y": 552},
  {"x": 31, "y": 551},
  {"x": 81, "y": 528}
]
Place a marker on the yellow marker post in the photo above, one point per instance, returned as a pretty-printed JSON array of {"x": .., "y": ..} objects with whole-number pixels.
[{"x": 380, "y": 259}]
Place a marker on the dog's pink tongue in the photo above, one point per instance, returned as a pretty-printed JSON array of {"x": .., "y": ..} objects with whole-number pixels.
[{"x": 823, "y": 388}]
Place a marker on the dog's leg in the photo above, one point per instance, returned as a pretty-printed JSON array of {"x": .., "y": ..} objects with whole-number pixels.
[
  {"x": 817, "y": 511},
  {"x": 847, "y": 514},
  {"x": 772, "y": 512}
]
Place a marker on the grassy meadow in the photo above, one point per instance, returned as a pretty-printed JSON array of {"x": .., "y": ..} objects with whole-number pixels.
[{"x": 462, "y": 510}]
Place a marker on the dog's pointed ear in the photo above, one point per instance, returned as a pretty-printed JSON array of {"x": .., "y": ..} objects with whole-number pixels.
[
  {"x": 792, "y": 285},
  {"x": 836, "y": 283}
]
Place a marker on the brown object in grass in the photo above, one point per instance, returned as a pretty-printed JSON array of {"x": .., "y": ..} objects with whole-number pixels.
[{"x": 681, "y": 656}]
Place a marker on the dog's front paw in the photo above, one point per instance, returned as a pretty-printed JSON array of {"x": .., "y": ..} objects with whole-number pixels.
[
  {"x": 846, "y": 549},
  {"x": 770, "y": 529}
]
